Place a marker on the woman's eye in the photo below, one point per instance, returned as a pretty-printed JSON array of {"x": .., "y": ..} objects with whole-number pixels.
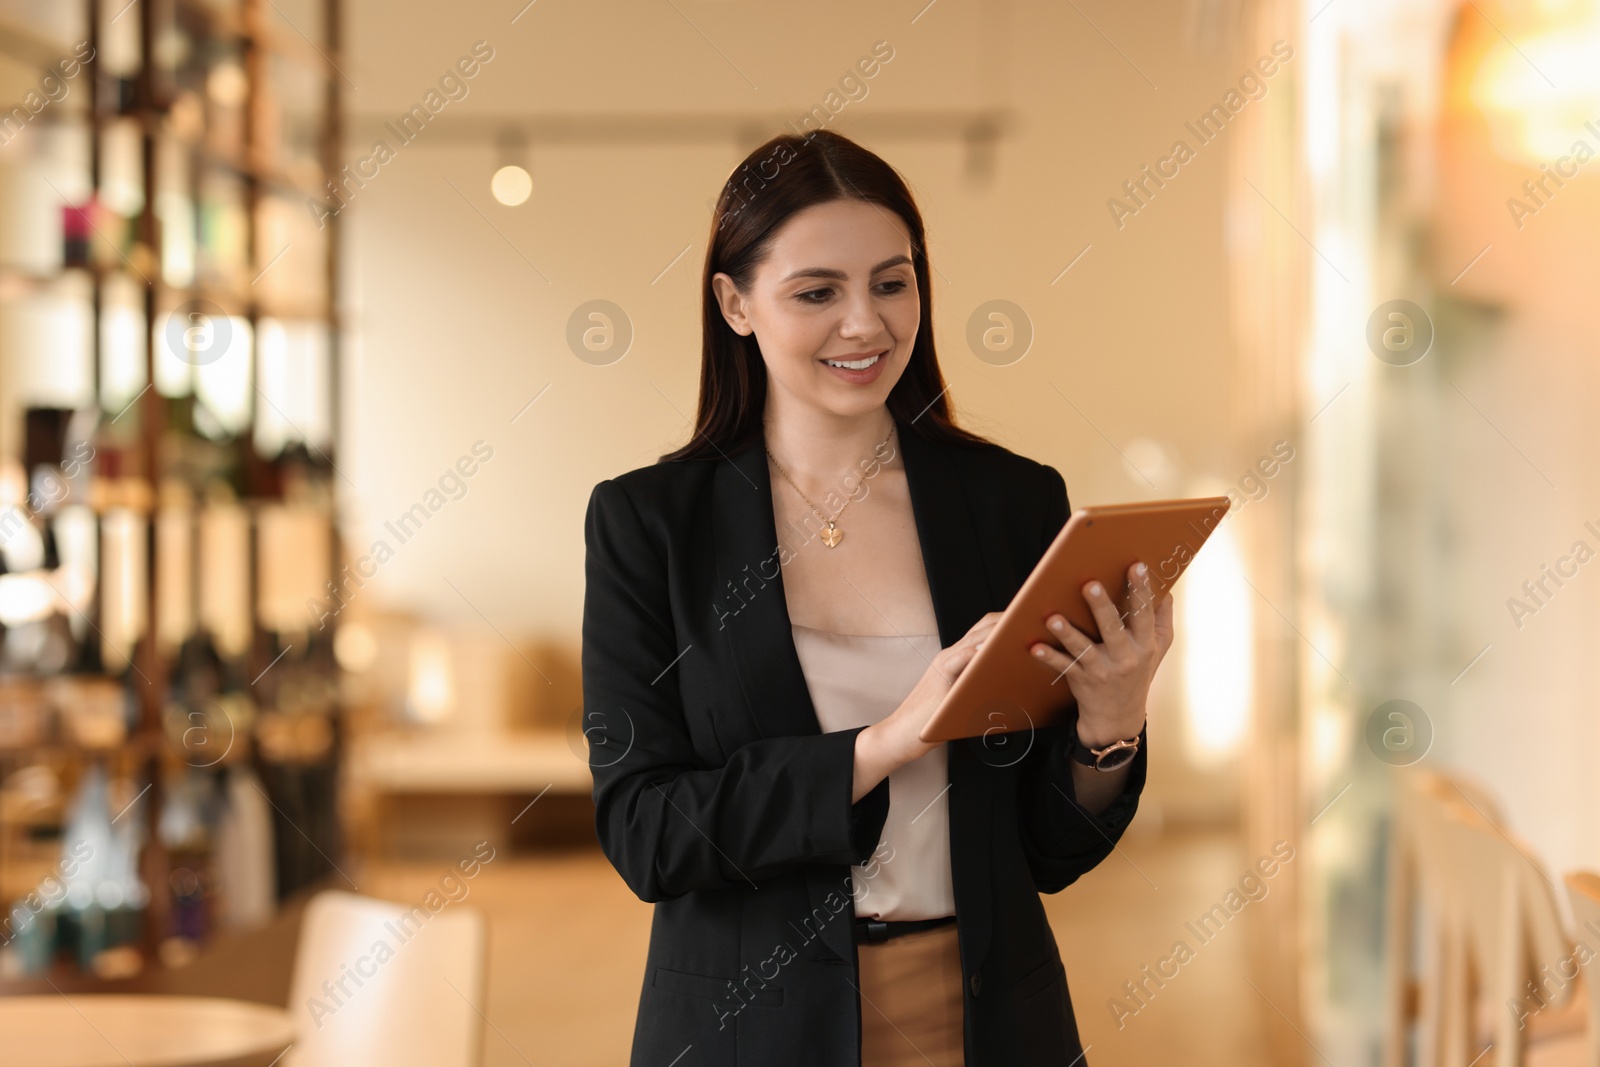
[{"x": 817, "y": 296}]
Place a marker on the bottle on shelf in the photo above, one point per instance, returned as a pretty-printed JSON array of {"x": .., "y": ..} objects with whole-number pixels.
[
  {"x": 77, "y": 233},
  {"x": 99, "y": 917},
  {"x": 184, "y": 829},
  {"x": 246, "y": 865}
]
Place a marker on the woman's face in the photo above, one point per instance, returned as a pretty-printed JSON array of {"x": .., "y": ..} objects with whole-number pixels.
[{"x": 837, "y": 284}]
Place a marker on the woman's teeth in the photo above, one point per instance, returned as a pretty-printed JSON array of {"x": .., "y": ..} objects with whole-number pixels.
[{"x": 858, "y": 364}]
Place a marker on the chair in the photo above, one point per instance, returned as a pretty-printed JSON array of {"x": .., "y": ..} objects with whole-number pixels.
[
  {"x": 380, "y": 983},
  {"x": 1481, "y": 915},
  {"x": 1418, "y": 910},
  {"x": 1583, "y": 890},
  {"x": 1510, "y": 929}
]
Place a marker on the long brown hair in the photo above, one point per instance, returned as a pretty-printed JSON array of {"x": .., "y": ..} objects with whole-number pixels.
[{"x": 786, "y": 175}]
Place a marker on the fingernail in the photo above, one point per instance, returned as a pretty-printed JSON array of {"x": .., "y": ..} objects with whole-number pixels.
[
  {"x": 1038, "y": 650},
  {"x": 1140, "y": 570},
  {"x": 1056, "y": 624},
  {"x": 1094, "y": 588}
]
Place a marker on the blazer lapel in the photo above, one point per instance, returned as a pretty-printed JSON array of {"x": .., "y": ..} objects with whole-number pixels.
[{"x": 761, "y": 643}]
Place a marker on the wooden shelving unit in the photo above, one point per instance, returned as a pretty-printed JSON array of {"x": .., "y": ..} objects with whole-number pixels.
[{"x": 209, "y": 126}]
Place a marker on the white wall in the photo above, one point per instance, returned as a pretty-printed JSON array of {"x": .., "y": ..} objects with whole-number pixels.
[{"x": 452, "y": 331}]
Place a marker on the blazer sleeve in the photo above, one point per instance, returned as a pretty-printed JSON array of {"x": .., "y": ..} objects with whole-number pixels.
[
  {"x": 669, "y": 824},
  {"x": 1061, "y": 840}
]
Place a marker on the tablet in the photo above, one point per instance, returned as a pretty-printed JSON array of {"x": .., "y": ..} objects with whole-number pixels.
[{"x": 1005, "y": 688}]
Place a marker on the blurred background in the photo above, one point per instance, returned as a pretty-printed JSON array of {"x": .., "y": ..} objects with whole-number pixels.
[{"x": 319, "y": 320}]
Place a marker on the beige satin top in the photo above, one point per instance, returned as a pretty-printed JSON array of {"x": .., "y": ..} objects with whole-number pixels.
[{"x": 857, "y": 680}]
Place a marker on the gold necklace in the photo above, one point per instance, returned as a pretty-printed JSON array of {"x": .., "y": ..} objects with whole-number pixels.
[{"x": 831, "y": 534}]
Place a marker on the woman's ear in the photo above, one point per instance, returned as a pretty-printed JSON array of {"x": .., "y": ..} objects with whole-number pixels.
[{"x": 731, "y": 303}]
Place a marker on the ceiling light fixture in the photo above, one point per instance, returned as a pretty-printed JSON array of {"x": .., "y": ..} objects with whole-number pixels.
[{"x": 511, "y": 184}]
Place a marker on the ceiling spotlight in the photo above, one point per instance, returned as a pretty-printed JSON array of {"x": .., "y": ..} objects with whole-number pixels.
[{"x": 511, "y": 185}]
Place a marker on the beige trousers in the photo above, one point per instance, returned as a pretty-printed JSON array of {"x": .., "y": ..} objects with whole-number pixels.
[{"x": 911, "y": 1003}]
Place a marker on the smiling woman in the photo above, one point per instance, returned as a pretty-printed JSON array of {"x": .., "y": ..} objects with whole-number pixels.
[{"x": 770, "y": 746}]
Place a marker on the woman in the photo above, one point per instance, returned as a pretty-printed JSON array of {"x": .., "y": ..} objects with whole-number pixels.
[{"x": 829, "y": 888}]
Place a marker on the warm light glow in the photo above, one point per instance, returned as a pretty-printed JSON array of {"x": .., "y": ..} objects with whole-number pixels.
[
  {"x": 175, "y": 211},
  {"x": 122, "y": 341},
  {"x": 77, "y": 538},
  {"x": 13, "y": 483},
  {"x": 227, "y": 84},
  {"x": 24, "y": 549},
  {"x": 1327, "y": 739},
  {"x": 124, "y": 589},
  {"x": 58, "y": 320},
  {"x": 1217, "y": 637},
  {"x": 226, "y": 385},
  {"x": 73, "y": 587},
  {"x": 293, "y": 377},
  {"x": 25, "y": 598},
  {"x": 355, "y": 646},
  {"x": 511, "y": 185},
  {"x": 122, "y": 147},
  {"x": 1538, "y": 90},
  {"x": 175, "y": 370},
  {"x": 431, "y": 694},
  {"x": 224, "y": 559}
]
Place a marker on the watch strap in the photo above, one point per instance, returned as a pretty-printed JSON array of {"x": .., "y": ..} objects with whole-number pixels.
[{"x": 1090, "y": 757}]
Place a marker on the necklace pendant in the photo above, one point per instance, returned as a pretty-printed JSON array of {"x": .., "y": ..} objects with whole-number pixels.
[{"x": 832, "y": 535}]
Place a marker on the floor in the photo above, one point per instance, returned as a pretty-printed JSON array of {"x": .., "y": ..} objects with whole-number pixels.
[{"x": 568, "y": 942}]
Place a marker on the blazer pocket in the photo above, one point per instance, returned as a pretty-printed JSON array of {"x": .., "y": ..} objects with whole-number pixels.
[
  {"x": 719, "y": 990},
  {"x": 1040, "y": 978}
]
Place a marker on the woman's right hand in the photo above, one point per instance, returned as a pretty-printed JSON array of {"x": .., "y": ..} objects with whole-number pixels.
[{"x": 892, "y": 743}]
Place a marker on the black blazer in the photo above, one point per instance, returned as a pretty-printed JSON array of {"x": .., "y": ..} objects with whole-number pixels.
[{"x": 718, "y": 797}]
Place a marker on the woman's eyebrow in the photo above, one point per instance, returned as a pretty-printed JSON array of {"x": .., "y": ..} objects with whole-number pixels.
[{"x": 839, "y": 275}]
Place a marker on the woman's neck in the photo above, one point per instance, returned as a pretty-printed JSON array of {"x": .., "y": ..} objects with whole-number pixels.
[{"x": 817, "y": 448}]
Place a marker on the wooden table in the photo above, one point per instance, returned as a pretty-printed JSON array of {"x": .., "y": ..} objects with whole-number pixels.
[{"x": 117, "y": 1030}]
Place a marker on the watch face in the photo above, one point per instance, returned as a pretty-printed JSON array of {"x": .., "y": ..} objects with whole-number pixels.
[{"x": 1121, "y": 757}]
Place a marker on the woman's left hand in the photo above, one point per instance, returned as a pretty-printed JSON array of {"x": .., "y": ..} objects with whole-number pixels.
[{"x": 1111, "y": 677}]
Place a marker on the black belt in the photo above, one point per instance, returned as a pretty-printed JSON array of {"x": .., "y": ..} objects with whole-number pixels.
[{"x": 875, "y": 930}]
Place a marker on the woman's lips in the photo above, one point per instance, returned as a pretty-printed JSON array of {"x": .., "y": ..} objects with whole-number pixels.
[{"x": 863, "y": 376}]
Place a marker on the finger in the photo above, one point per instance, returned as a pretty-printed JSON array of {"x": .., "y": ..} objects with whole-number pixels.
[
  {"x": 958, "y": 656},
  {"x": 950, "y": 662},
  {"x": 1164, "y": 629},
  {"x": 1141, "y": 604},
  {"x": 984, "y": 624},
  {"x": 1072, "y": 639},
  {"x": 1112, "y": 633},
  {"x": 956, "y": 660},
  {"x": 1064, "y": 664},
  {"x": 983, "y": 628}
]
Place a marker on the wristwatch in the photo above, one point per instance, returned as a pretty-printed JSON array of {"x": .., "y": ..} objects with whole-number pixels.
[{"x": 1116, "y": 754}]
